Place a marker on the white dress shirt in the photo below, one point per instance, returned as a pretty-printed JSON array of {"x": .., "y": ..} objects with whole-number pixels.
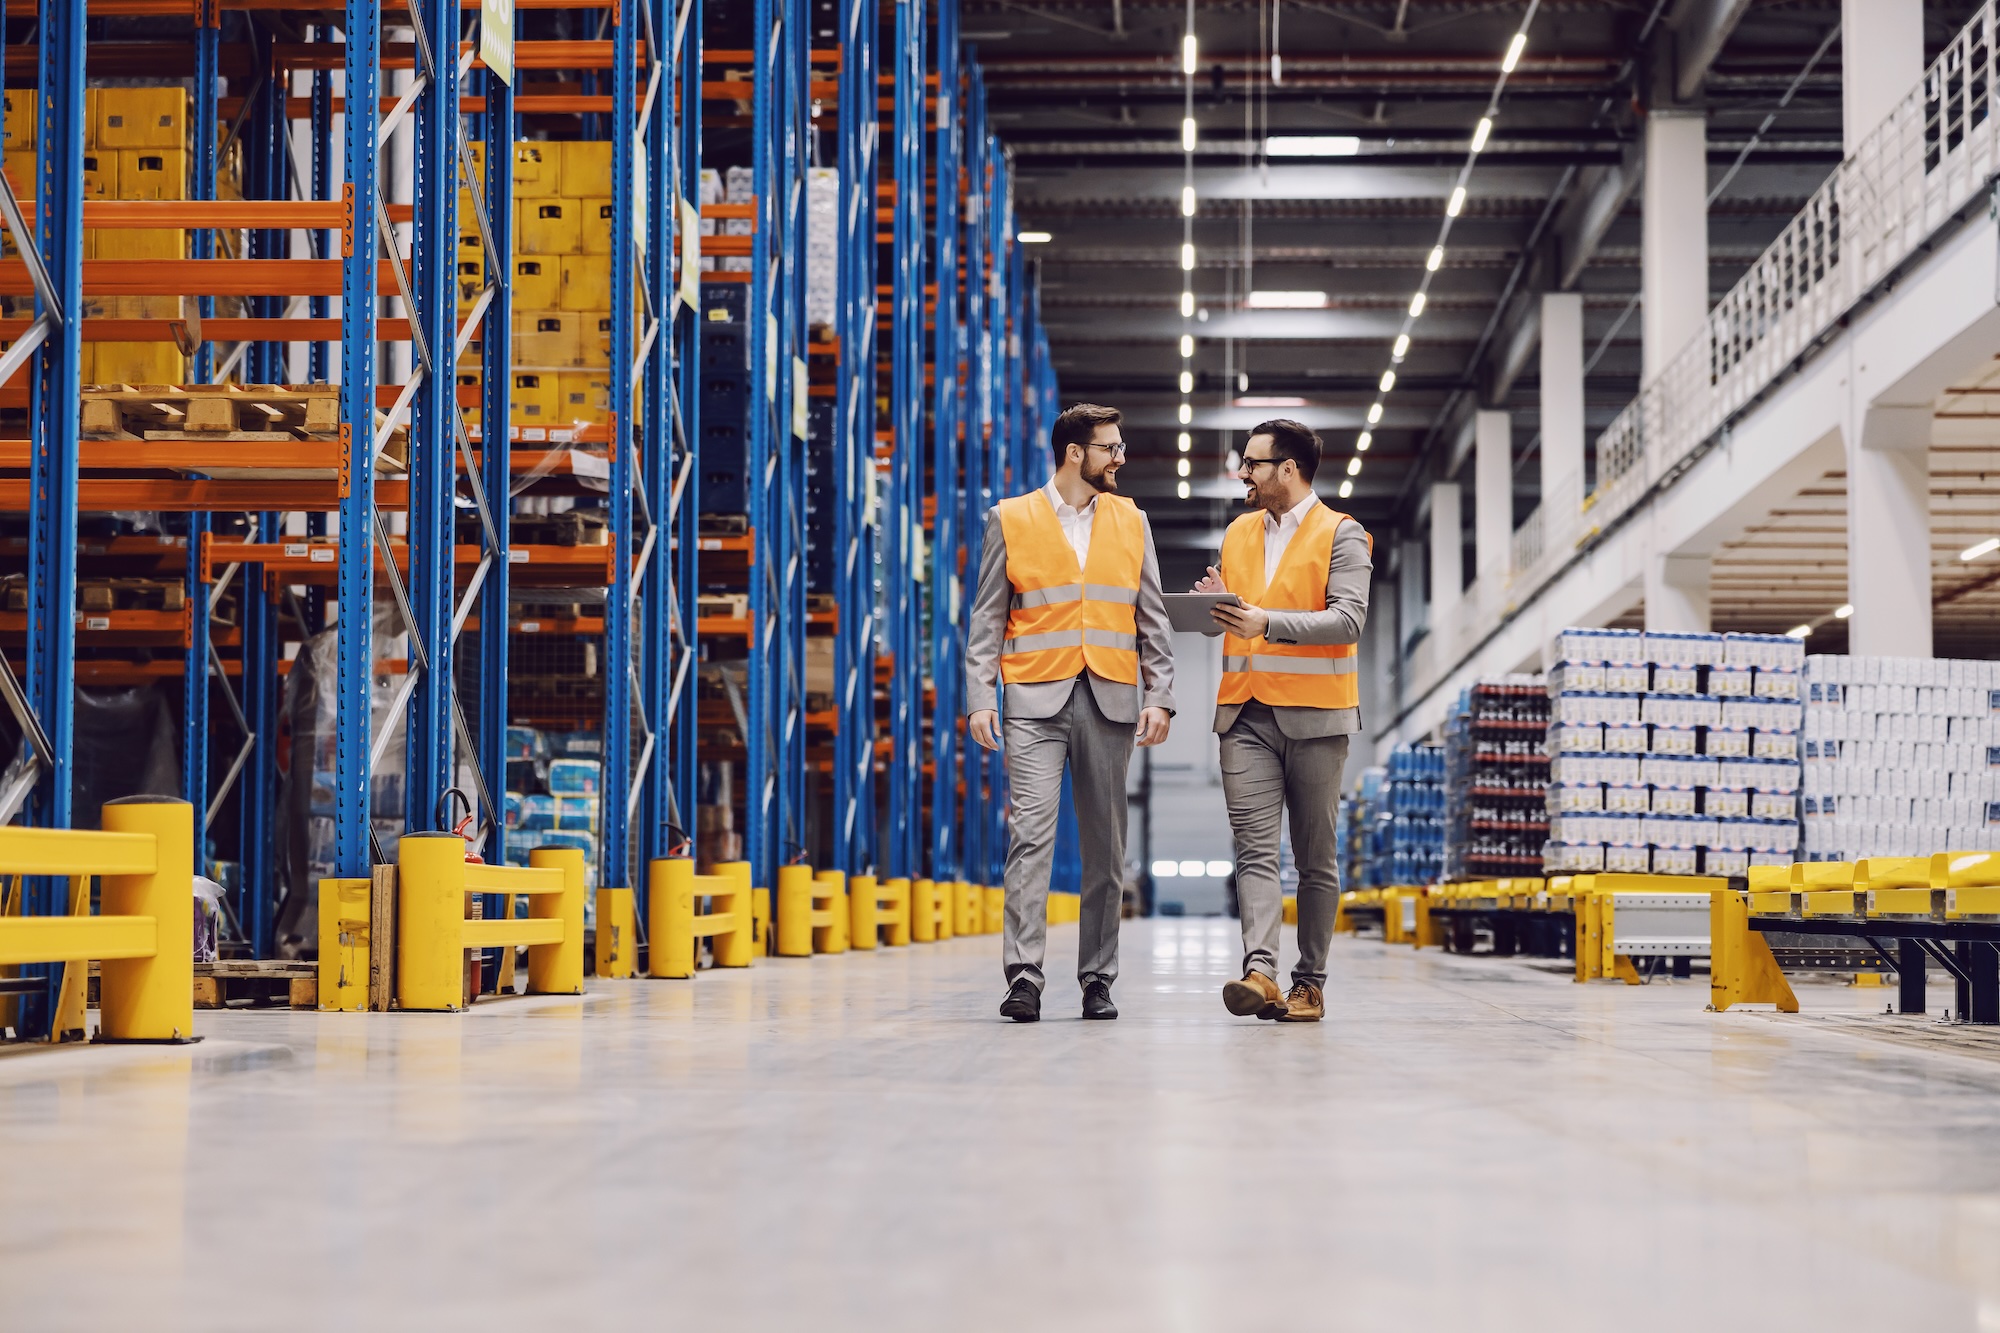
[
  {"x": 1075, "y": 522},
  {"x": 1278, "y": 534}
]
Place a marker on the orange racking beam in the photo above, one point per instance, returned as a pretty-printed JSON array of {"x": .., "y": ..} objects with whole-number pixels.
[
  {"x": 182, "y": 495},
  {"x": 203, "y": 277},
  {"x": 275, "y": 330}
]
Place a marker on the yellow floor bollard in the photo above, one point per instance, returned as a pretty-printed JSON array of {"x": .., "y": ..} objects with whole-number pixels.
[
  {"x": 737, "y": 946},
  {"x": 965, "y": 907},
  {"x": 670, "y": 917},
  {"x": 760, "y": 920},
  {"x": 616, "y": 940},
  {"x": 923, "y": 911},
  {"x": 832, "y": 928},
  {"x": 894, "y": 915},
  {"x": 152, "y": 999},
  {"x": 995, "y": 910},
  {"x": 343, "y": 944},
  {"x": 557, "y": 969},
  {"x": 430, "y": 921},
  {"x": 864, "y": 912},
  {"x": 942, "y": 894},
  {"x": 795, "y": 904}
]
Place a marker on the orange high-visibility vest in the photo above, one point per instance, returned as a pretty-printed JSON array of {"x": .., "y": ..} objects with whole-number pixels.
[
  {"x": 1285, "y": 675},
  {"x": 1064, "y": 618}
]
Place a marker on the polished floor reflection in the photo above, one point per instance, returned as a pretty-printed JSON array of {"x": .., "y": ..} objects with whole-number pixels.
[{"x": 860, "y": 1143}]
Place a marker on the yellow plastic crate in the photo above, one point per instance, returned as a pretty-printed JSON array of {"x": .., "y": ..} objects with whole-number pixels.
[
  {"x": 538, "y": 283},
  {"x": 139, "y": 363},
  {"x": 586, "y": 168},
  {"x": 537, "y": 170},
  {"x": 585, "y": 397},
  {"x": 21, "y": 119},
  {"x": 586, "y": 282},
  {"x": 548, "y": 338},
  {"x": 152, "y": 173},
  {"x": 534, "y": 401},
  {"x": 152, "y": 118},
  {"x": 595, "y": 220},
  {"x": 547, "y": 227}
]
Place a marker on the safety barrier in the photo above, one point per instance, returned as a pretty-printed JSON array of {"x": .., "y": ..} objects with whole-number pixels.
[
  {"x": 433, "y": 933},
  {"x": 1516, "y": 914},
  {"x": 1065, "y": 908},
  {"x": 674, "y": 925},
  {"x": 881, "y": 912},
  {"x": 615, "y": 945},
  {"x": 805, "y": 926},
  {"x": 143, "y": 933},
  {"x": 930, "y": 911},
  {"x": 1658, "y": 920},
  {"x": 1887, "y": 914}
]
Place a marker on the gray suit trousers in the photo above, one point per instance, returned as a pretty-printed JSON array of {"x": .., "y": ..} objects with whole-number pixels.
[
  {"x": 1265, "y": 775},
  {"x": 1097, "y": 753}
]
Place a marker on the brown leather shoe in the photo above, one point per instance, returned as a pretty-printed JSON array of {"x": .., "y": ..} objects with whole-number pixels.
[
  {"x": 1255, "y": 994},
  {"x": 1305, "y": 1004}
]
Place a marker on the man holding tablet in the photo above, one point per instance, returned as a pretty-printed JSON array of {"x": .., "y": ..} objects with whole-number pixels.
[
  {"x": 1068, "y": 618},
  {"x": 1288, "y": 701}
]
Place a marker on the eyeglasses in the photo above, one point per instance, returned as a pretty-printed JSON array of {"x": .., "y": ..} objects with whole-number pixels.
[
  {"x": 1253, "y": 462},
  {"x": 1115, "y": 450}
]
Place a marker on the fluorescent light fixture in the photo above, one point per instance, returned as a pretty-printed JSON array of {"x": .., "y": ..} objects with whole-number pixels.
[
  {"x": 1844, "y": 611},
  {"x": 1481, "y": 132},
  {"x": 1417, "y": 304},
  {"x": 1187, "y": 134},
  {"x": 1183, "y": 490},
  {"x": 1218, "y": 869},
  {"x": 1388, "y": 380},
  {"x": 1987, "y": 547},
  {"x": 1181, "y": 466},
  {"x": 1187, "y": 257},
  {"x": 1436, "y": 259},
  {"x": 1402, "y": 348},
  {"x": 1346, "y": 489},
  {"x": 1185, "y": 442},
  {"x": 1187, "y": 414},
  {"x": 1799, "y": 632},
  {"x": 1233, "y": 463},
  {"x": 1190, "y": 54},
  {"x": 1311, "y": 145},
  {"x": 1277, "y": 68},
  {"x": 1513, "y": 56},
  {"x": 1269, "y": 402},
  {"x": 1166, "y": 869},
  {"x": 1187, "y": 201},
  {"x": 1286, "y": 300},
  {"x": 1361, "y": 445},
  {"x": 1033, "y": 237},
  {"x": 1354, "y": 466},
  {"x": 1456, "y": 204},
  {"x": 1187, "y": 346},
  {"x": 1374, "y": 413},
  {"x": 1187, "y": 381},
  {"x": 1193, "y": 869},
  {"x": 1187, "y": 304}
]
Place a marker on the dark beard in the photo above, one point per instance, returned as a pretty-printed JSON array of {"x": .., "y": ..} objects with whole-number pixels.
[{"x": 1101, "y": 481}]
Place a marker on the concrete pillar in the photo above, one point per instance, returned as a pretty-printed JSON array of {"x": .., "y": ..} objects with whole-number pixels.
[
  {"x": 1677, "y": 593},
  {"x": 1493, "y": 493},
  {"x": 1673, "y": 239},
  {"x": 1410, "y": 592},
  {"x": 1447, "y": 552},
  {"x": 1562, "y": 398},
  {"x": 1881, "y": 61},
  {"x": 1889, "y": 533}
]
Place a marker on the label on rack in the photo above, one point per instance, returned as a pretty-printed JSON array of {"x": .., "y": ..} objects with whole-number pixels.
[
  {"x": 709, "y": 544},
  {"x": 97, "y": 622},
  {"x": 517, "y": 557},
  {"x": 296, "y": 549},
  {"x": 323, "y": 555},
  {"x": 531, "y": 627}
]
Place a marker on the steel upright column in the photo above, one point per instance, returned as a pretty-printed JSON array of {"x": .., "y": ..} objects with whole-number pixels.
[
  {"x": 677, "y": 715},
  {"x": 903, "y": 565},
  {"x": 761, "y": 445},
  {"x": 357, "y": 413},
  {"x": 201, "y": 185},
  {"x": 496, "y": 382},
  {"x": 788, "y": 507},
  {"x": 978, "y": 437},
  {"x": 853, "y": 831},
  {"x": 614, "y": 860},
  {"x": 947, "y": 447}
]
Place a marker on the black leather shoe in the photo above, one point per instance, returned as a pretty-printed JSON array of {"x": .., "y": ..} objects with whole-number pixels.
[
  {"x": 1023, "y": 1003},
  {"x": 1097, "y": 1001}
]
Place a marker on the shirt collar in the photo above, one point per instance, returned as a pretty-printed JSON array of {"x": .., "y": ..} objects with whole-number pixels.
[
  {"x": 1061, "y": 505},
  {"x": 1293, "y": 516}
]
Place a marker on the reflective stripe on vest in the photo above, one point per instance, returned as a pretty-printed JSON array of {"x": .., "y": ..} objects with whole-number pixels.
[
  {"x": 1285, "y": 675},
  {"x": 1064, "y": 619}
]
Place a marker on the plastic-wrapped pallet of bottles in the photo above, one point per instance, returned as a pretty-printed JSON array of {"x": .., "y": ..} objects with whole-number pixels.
[
  {"x": 1496, "y": 779},
  {"x": 1414, "y": 798},
  {"x": 1360, "y": 815},
  {"x": 1673, "y": 754},
  {"x": 1902, "y": 756}
]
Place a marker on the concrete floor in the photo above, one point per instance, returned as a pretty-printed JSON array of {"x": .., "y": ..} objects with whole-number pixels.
[{"x": 859, "y": 1143}]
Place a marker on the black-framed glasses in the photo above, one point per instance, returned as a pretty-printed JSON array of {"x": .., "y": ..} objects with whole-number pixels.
[{"x": 1253, "y": 462}]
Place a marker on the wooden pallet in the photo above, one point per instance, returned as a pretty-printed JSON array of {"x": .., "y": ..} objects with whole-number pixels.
[
  {"x": 99, "y": 595},
  {"x": 240, "y": 411},
  {"x": 727, "y": 605},
  {"x": 255, "y": 984}
]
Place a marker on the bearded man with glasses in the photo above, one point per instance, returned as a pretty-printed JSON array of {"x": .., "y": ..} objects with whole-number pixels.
[
  {"x": 1288, "y": 700},
  {"x": 1068, "y": 617}
]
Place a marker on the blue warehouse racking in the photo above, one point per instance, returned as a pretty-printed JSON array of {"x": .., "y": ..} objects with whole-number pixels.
[{"x": 430, "y": 588}]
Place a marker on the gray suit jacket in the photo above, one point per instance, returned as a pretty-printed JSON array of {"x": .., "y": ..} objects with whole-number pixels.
[
  {"x": 988, "y": 629},
  {"x": 1346, "y": 612}
]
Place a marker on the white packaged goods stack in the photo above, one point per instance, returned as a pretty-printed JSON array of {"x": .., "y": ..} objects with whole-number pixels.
[
  {"x": 711, "y": 193},
  {"x": 822, "y": 245},
  {"x": 1902, "y": 756},
  {"x": 1673, "y": 754},
  {"x": 738, "y": 189}
]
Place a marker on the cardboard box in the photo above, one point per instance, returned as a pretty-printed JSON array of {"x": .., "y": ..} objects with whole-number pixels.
[{"x": 152, "y": 118}]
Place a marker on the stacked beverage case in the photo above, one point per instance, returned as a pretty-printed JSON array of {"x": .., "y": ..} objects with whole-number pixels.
[
  {"x": 1673, "y": 753},
  {"x": 1496, "y": 779}
]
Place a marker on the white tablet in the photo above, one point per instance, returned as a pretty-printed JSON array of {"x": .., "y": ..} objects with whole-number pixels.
[{"x": 1189, "y": 611}]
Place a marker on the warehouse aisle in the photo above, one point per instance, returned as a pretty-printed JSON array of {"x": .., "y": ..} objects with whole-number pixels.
[{"x": 858, "y": 1143}]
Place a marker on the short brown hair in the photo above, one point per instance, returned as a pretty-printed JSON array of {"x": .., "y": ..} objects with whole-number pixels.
[
  {"x": 1293, "y": 440},
  {"x": 1077, "y": 425}
]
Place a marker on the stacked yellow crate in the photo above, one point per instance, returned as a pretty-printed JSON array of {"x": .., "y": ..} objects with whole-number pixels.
[
  {"x": 138, "y": 143},
  {"x": 562, "y": 283}
]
